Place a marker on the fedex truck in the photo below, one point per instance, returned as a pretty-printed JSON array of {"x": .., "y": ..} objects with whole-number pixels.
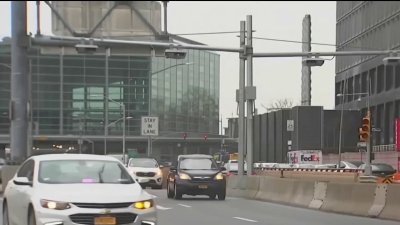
[{"x": 305, "y": 157}]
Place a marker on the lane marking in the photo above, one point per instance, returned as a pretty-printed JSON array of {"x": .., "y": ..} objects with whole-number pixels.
[
  {"x": 232, "y": 198},
  {"x": 162, "y": 208},
  {"x": 245, "y": 219},
  {"x": 187, "y": 206}
]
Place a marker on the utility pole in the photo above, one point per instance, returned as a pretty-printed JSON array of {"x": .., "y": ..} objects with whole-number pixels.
[
  {"x": 240, "y": 99},
  {"x": 19, "y": 104},
  {"x": 306, "y": 70},
  {"x": 250, "y": 94}
]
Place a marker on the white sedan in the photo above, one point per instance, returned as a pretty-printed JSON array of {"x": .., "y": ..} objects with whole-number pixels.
[{"x": 70, "y": 189}]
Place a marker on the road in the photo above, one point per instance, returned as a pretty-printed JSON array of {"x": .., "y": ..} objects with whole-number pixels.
[{"x": 236, "y": 211}]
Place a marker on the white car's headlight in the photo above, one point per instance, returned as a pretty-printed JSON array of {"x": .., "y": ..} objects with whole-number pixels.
[
  {"x": 144, "y": 204},
  {"x": 159, "y": 172},
  {"x": 184, "y": 176},
  {"x": 54, "y": 204},
  {"x": 219, "y": 176}
]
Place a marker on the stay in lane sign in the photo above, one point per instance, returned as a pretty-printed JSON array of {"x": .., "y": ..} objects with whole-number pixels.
[{"x": 149, "y": 126}]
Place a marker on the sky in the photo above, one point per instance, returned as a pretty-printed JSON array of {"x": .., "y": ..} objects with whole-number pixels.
[{"x": 274, "y": 78}]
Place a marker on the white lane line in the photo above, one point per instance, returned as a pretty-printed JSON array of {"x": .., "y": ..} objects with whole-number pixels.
[
  {"x": 162, "y": 208},
  {"x": 187, "y": 206},
  {"x": 244, "y": 219}
]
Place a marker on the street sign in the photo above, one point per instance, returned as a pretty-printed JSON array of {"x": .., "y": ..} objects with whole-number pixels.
[
  {"x": 362, "y": 144},
  {"x": 290, "y": 125},
  {"x": 149, "y": 126}
]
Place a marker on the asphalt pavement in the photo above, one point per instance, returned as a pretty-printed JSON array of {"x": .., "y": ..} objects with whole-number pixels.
[
  {"x": 237, "y": 211},
  {"x": 200, "y": 210}
]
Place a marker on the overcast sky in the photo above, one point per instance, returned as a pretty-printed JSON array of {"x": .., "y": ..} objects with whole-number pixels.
[{"x": 275, "y": 78}]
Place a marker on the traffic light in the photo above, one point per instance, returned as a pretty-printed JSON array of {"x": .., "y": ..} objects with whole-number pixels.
[
  {"x": 364, "y": 131},
  {"x": 184, "y": 136},
  {"x": 205, "y": 137}
]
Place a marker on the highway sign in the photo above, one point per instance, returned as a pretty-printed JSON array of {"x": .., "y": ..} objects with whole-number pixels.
[
  {"x": 149, "y": 126},
  {"x": 290, "y": 125}
]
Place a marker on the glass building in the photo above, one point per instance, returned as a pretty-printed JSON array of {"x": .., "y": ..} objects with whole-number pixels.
[{"x": 68, "y": 95}]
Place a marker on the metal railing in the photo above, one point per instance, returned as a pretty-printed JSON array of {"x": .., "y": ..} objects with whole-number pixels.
[{"x": 384, "y": 148}]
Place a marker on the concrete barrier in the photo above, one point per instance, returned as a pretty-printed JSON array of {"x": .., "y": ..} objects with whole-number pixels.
[
  {"x": 286, "y": 191},
  {"x": 392, "y": 204},
  {"x": 356, "y": 199},
  {"x": 379, "y": 200},
  {"x": 319, "y": 195},
  {"x": 246, "y": 187}
]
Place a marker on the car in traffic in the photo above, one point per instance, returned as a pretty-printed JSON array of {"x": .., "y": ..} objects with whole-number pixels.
[
  {"x": 2, "y": 164},
  {"x": 380, "y": 169},
  {"x": 350, "y": 164},
  {"x": 69, "y": 189},
  {"x": 147, "y": 170},
  {"x": 232, "y": 167},
  {"x": 196, "y": 174}
]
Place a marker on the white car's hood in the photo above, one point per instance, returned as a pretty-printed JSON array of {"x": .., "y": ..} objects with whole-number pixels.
[
  {"x": 92, "y": 193},
  {"x": 142, "y": 169}
]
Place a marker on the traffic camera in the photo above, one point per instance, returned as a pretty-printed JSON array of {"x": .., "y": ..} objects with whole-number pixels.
[
  {"x": 175, "y": 54},
  {"x": 86, "y": 48},
  {"x": 313, "y": 61}
]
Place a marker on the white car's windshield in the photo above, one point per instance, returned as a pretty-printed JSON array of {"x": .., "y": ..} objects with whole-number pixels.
[
  {"x": 82, "y": 171},
  {"x": 197, "y": 164},
  {"x": 145, "y": 163}
]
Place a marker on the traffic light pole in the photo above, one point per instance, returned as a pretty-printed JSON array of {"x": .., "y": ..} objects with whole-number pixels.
[{"x": 368, "y": 168}]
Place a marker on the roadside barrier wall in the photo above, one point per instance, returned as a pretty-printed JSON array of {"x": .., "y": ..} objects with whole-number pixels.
[{"x": 361, "y": 199}]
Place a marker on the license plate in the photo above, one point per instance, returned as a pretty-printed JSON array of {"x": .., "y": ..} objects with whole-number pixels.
[
  {"x": 203, "y": 186},
  {"x": 105, "y": 220}
]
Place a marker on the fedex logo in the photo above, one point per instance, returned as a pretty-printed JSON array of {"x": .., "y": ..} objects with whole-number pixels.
[{"x": 309, "y": 158}]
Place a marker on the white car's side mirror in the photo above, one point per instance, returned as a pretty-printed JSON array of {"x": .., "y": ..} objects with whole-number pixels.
[{"x": 22, "y": 181}]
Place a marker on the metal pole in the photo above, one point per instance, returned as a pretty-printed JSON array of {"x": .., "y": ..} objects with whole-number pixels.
[
  {"x": 242, "y": 80},
  {"x": 250, "y": 102},
  {"x": 368, "y": 169},
  {"x": 165, "y": 17},
  {"x": 38, "y": 18},
  {"x": 106, "y": 103},
  {"x": 19, "y": 82},
  {"x": 123, "y": 133},
  {"x": 61, "y": 97},
  {"x": 341, "y": 123}
]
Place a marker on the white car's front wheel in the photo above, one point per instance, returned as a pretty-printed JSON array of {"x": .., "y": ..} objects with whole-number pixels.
[
  {"x": 31, "y": 217},
  {"x": 5, "y": 214}
]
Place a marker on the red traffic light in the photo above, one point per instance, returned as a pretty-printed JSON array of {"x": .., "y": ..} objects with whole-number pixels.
[
  {"x": 205, "y": 137},
  {"x": 184, "y": 136},
  {"x": 364, "y": 131}
]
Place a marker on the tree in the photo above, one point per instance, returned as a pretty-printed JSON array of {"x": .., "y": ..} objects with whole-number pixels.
[{"x": 280, "y": 104}]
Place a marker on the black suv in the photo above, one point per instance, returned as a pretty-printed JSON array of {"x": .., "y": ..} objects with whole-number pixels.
[{"x": 196, "y": 175}]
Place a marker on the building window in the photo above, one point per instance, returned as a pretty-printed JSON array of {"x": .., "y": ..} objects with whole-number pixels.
[
  {"x": 380, "y": 78},
  {"x": 389, "y": 77}
]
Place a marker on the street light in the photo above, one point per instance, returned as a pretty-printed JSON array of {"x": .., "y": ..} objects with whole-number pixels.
[
  {"x": 368, "y": 163},
  {"x": 123, "y": 128},
  {"x": 5, "y": 65},
  {"x": 149, "y": 142},
  {"x": 124, "y": 118}
]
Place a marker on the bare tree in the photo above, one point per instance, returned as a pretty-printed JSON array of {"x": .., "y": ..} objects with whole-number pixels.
[{"x": 280, "y": 104}]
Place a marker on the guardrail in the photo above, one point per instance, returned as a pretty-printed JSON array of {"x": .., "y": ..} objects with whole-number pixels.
[
  {"x": 311, "y": 170},
  {"x": 384, "y": 148}
]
